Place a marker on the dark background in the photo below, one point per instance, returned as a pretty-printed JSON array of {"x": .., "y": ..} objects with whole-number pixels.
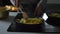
[{"x": 5, "y": 2}]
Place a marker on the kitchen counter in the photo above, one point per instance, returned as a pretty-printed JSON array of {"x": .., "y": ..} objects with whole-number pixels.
[{"x": 4, "y": 24}]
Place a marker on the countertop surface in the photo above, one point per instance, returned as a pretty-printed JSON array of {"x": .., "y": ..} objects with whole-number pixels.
[{"x": 4, "y": 24}]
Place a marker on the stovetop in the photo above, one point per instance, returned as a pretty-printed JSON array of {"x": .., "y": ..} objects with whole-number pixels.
[{"x": 45, "y": 28}]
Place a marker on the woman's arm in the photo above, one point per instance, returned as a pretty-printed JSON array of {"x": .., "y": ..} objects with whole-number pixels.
[
  {"x": 39, "y": 7},
  {"x": 15, "y": 3}
]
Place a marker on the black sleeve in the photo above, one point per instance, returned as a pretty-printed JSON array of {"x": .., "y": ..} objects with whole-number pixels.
[{"x": 43, "y": 5}]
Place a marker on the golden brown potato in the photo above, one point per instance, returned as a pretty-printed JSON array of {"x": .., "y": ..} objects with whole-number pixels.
[
  {"x": 54, "y": 15},
  {"x": 31, "y": 21}
]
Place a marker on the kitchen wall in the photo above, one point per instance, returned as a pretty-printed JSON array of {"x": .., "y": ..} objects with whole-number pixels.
[{"x": 53, "y": 1}]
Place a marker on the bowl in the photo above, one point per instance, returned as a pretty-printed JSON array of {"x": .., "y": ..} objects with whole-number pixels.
[{"x": 53, "y": 19}]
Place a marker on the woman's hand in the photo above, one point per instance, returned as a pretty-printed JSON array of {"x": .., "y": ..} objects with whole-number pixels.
[{"x": 39, "y": 7}]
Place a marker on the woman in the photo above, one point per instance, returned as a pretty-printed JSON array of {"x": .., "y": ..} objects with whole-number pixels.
[{"x": 31, "y": 8}]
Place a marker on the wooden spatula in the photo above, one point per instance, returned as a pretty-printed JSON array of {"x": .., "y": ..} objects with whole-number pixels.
[{"x": 24, "y": 14}]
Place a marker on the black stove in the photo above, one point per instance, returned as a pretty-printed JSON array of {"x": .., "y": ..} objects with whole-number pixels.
[{"x": 41, "y": 28}]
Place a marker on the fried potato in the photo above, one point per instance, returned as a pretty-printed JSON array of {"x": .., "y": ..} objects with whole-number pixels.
[
  {"x": 30, "y": 21},
  {"x": 54, "y": 15}
]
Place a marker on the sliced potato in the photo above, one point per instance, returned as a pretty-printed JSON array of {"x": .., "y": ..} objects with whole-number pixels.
[
  {"x": 31, "y": 21},
  {"x": 55, "y": 15}
]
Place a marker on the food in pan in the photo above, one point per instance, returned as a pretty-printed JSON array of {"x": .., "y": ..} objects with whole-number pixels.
[
  {"x": 30, "y": 21},
  {"x": 12, "y": 8},
  {"x": 54, "y": 15}
]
